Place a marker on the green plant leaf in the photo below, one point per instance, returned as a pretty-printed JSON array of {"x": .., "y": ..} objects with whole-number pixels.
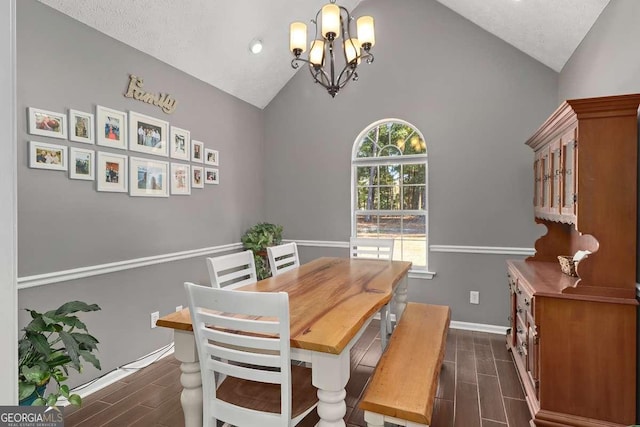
[
  {"x": 39, "y": 342},
  {"x": 52, "y": 399},
  {"x": 37, "y": 374},
  {"x": 75, "y": 400},
  {"x": 86, "y": 355},
  {"x": 64, "y": 389},
  {"x": 88, "y": 341},
  {"x": 75, "y": 306},
  {"x": 39, "y": 402},
  {"x": 72, "y": 349},
  {"x": 25, "y": 389}
]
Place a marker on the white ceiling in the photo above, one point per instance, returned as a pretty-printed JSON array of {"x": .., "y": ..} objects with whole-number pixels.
[{"x": 209, "y": 39}]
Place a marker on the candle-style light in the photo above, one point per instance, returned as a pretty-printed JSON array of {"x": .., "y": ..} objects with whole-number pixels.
[{"x": 332, "y": 63}]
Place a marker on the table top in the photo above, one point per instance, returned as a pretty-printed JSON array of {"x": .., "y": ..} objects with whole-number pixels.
[{"x": 330, "y": 299}]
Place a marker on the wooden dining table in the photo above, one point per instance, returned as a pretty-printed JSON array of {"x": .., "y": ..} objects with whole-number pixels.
[{"x": 331, "y": 302}]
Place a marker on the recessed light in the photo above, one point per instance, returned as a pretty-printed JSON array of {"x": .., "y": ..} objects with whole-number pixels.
[{"x": 255, "y": 46}]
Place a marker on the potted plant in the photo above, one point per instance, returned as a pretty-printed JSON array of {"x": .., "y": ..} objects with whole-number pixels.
[
  {"x": 52, "y": 343},
  {"x": 257, "y": 239}
]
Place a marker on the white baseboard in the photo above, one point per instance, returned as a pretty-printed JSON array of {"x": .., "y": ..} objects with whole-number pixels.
[
  {"x": 479, "y": 327},
  {"x": 116, "y": 375}
]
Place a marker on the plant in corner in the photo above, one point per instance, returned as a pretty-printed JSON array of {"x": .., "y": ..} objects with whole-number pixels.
[
  {"x": 52, "y": 343},
  {"x": 257, "y": 239}
]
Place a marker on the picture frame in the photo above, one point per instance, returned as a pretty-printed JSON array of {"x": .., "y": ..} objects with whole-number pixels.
[
  {"x": 148, "y": 135},
  {"x": 180, "y": 179},
  {"x": 180, "y": 146},
  {"x": 81, "y": 127},
  {"x": 47, "y": 123},
  {"x": 197, "y": 151},
  {"x": 111, "y": 128},
  {"x": 47, "y": 156},
  {"x": 81, "y": 163},
  {"x": 197, "y": 177},
  {"x": 149, "y": 178},
  {"x": 111, "y": 172},
  {"x": 211, "y": 176},
  {"x": 211, "y": 157}
]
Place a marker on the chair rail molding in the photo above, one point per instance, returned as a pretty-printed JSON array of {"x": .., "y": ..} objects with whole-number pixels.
[{"x": 95, "y": 270}]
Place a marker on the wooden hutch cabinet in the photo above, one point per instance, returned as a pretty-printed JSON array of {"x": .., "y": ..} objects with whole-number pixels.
[{"x": 573, "y": 339}]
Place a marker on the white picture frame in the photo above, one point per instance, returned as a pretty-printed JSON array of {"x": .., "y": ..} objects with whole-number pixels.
[
  {"x": 111, "y": 128},
  {"x": 211, "y": 176},
  {"x": 197, "y": 177},
  {"x": 149, "y": 177},
  {"x": 180, "y": 146},
  {"x": 211, "y": 157},
  {"x": 47, "y": 156},
  {"x": 180, "y": 179},
  {"x": 82, "y": 163},
  {"x": 111, "y": 172},
  {"x": 81, "y": 127},
  {"x": 47, "y": 123},
  {"x": 148, "y": 134},
  {"x": 197, "y": 151}
]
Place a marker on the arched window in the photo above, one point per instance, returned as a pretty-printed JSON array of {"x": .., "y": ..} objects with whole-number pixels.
[{"x": 389, "y": 188}]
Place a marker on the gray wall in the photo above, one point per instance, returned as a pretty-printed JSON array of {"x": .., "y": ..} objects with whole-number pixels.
[
  {"x": 607, "y": 62},
  {"x": 65, "y": 224},
  {"x": 475, "y": 98}
]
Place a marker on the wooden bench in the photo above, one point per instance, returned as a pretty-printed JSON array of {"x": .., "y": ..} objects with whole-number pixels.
[{"x": 403, "y": 387}]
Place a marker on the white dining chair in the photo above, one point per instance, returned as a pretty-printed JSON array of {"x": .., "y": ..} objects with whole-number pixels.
[
  {"x": 243, "y": 344},
  {"x": 376, "y": 249},
  {"x": 233, "y": 270},
  {"x": 283, "y": 258}
]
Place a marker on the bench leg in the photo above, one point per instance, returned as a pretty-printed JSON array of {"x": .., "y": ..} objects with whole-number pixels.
[{"x": 373, "y": 420}]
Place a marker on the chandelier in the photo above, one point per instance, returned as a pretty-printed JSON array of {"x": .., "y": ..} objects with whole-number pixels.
[{"x": 330, "y": 72}]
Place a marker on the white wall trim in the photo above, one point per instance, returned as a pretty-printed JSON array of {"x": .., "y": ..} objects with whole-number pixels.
[
  {"x": 493, "y": 250},
  {"x": 320, "y": 243},
  {"x": 479, "y": 327},
  {"x": 8, "y": 209},
  {"x": 95, "y": 270}
]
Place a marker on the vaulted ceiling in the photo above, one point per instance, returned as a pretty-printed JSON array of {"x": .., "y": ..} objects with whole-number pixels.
[{"x": 209, "y": 39}]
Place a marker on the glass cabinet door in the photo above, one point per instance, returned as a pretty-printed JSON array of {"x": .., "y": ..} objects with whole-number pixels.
[
  {"x": 569, "y": 196},
  {"x": 554, "y": 178},
  {"x": 544, "y": 176}
]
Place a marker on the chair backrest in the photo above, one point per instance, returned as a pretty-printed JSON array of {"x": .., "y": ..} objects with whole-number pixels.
[
  {"x": 283, "y": 258},
  {"x": 232, "y": 270},
  {"x": 233, "y": 341},
  {"x": 371, "y": 248}
]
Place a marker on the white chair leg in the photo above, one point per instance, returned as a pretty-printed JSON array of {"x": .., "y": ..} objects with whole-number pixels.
[{"x": 373, "y": 419}]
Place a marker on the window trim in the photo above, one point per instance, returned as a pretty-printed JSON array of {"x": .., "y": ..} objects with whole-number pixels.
[{"x": 419, "y": 271}]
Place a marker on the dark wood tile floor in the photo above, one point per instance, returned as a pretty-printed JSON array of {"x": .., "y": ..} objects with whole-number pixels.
[{"x": 478, "y": 388}]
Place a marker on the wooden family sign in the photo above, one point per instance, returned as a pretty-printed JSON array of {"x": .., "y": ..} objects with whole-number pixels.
[{"x": 162, "y": 100}]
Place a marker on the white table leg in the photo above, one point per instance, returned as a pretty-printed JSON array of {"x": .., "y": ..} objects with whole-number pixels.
[
  {"x": 330, "y": 374},
  {"x": 400, "y": 297},
  {"x": 191, "y": 379}
]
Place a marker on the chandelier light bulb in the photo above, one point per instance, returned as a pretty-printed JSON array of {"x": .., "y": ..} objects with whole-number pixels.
[
  {"x": 298, "y": 37},
  {"x": 331, "y": 21},
  {"x": 366, "y": 33}
]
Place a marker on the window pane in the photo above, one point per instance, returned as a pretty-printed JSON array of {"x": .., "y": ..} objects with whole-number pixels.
[
  {"x": 415, "y": 226},
  {"x": 414, "y": 197},
  {"x": 414, "y": 249},
  {"x": 390, "y": 198},
  {"x": 390, "y": 226},
  {"x": 414, "y": 174},
  {"x": 389, "y": 175},
  {"x": 367, "y": 226},
  {"x": 367, "y": 175},
  {"x": 366, "y": 148},
  {"x": 390, "y": 150},
  {"x": 368, "y": 198},
  {"x": 415, "y": 145}
]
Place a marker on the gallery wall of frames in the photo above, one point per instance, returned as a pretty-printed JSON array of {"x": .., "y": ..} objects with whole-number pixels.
[{"x": 133, "y": 133}]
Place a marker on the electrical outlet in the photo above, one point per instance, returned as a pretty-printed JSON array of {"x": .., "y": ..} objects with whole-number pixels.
[
  {"x": 474, "y": 297},
  {"x": 178, "y": 308},
  {"x": 154, "y": 318}
]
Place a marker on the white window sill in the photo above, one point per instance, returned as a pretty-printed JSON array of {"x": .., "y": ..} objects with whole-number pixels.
[{"x": 421, "y": 274}]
